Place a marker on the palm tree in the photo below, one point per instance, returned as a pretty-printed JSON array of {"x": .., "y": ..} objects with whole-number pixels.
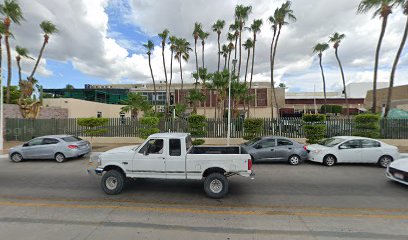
[
  {"x": 2, "y": 33},
  {"x": 135, "y": 103},
  {"x": 383, "y": 8},
  {"x": 182, "y": 53},
  {"x": 248, "y": 45},
  {"x": 172, "y": 42},
  {"x": 225, "y": 52},
  {"x": 220, "y": 83},
  {"x": 274, "y": 26},
  {"x": 12, "y": 12},
  {"x": 21, "y": 53},
  {"x": 241, "y": 14},
  {"x": 217, "y": 27},
  {"x": 203, "y": 36},
  {"x": 235, "y": 33},
  {"x": 150, "y": 47},
  {"x": 336, "y": 39},
  {"x": 255, "y": 28},
  {"x": 48, "y": 29},
  {"x": 163, "y": 36},
  {"x": 319, "y": 49},
  {"x": 196, "y": 32},
  {"x": 205, "y": 77},
  {"x": 279, "y": 19},
  {"x": 194, "y": 97},
  {"x": 231, "y": 46},
  {"x": 396, "y": 60}
]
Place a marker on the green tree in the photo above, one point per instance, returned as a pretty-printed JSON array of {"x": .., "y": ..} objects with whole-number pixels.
[
  {"x": 149, "y": 126},
  {"x": 314, "y": 127},
  {"x": 21, "y": 53},
  {"x": 252, "y": 127},
  {"x": 195, "y": 96},
  {"x": 336, "y": 39},
  {"x": 225, "y": 52},
  {"x": 396, "y": 60},
  {"x": 196, "y": 33},
  {"x": 14, "y": 94},
  {"x": 93, "y": 126},
  {"x": 367, "y": 125},
  {"x": 197, "y": 124},
  {"x": 150, "y": 47},
  {"x": 11, "y": 10},
  {"x": 248, "y": 45},
  {"x": 172, "y": 42},
  {"x": 241, "y": 14},
  {"x": 319, "y": 49},
  {"x": 383, "y": 8},
  {"x": 163, "y": 36},
  {"x": 255, "y": 28},
  {"x": 220, "y": 83},
  {"x": 281, "y": 17},
  {"x": 182, "y": 53},
  {"x": 231, "y": 46},
  {"x": 203, "y": 36},
  {"x": 135, "y": 103},
  {"x": 217, "y": 27},
  {"x": 69, "y": 86}
]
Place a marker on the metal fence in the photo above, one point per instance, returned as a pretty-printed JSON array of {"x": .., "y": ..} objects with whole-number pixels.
[{"x": 25, "y": 129}]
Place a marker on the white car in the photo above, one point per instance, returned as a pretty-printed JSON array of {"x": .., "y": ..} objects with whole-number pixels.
[
  {"x": 350, "y": 149},
  {"x": 398, "y": 171}
]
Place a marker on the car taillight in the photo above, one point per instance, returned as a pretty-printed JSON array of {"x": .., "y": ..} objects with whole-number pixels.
[
  {"x": 72, "y": 146},
  {"x": 249, "y": 164},
  {"x": 304, "y": 147}
]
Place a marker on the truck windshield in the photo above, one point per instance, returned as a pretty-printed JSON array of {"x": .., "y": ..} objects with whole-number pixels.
[
  {"x": 330, "y": 142},
  {"x": 189, "y": 143}
]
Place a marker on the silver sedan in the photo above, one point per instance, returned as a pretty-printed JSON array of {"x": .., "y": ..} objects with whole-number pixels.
[
  {"x": 58, "y": 147},
  {"x": 275, "y": 148}
]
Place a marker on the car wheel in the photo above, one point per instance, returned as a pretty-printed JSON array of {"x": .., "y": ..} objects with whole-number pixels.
[
  {"x": 329, "y": 160},
  {"x": 16, "y": 157},
  {"x": 59, "y": 157},
  {"x": 216, "y": 185},
  {"x": 384, "y": 161},
  {"x": 294, "y": 160},
  {"x": 113, "y": 182}
]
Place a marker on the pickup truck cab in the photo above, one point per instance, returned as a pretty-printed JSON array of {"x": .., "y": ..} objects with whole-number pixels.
[{"x": 172, "y": 156}]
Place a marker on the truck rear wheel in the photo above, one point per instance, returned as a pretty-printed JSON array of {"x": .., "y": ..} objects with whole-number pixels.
[
  {"x": 216, "y": 185},
  {"x": 112, "y": 182}
]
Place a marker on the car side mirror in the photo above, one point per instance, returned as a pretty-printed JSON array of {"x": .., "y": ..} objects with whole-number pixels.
[{"x": 25, "y": 144}]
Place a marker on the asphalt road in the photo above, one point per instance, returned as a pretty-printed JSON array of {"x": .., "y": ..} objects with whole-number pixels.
[{"x": 46, "y": 200}]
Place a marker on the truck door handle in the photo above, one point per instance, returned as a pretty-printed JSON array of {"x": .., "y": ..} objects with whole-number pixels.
[
  {"x": 125, "y": 163},
  {"x": 289, "y": 148},
  {"x": 272, "y": 149}
]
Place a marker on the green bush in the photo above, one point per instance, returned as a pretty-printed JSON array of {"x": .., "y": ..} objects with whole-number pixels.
[
  {"x": 149, "y": 126},
  {"x": 367, "y": 125},
  {"x": 199, "y": 141},
  {"x": 196, "y": 125},
  {"x": 252, "y": 128},
  {"x": 331, "y": 109},
  {"x": 314, "y": 127},
  {"x": 93, "y": 125}
]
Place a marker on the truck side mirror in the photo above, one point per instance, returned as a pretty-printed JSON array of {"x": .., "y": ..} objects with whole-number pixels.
[{"x": 25, "y": 144}]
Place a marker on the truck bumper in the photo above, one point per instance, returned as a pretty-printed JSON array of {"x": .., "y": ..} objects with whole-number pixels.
[{"x": 98, "y": 171}]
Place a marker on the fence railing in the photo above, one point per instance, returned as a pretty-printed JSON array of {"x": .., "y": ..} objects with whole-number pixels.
[{"x": 25, "y": 129}]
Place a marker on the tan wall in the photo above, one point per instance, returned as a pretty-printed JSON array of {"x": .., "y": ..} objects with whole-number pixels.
[
  {"x": 81, "y": 108},
  {"x": 399, "y": 94},
  {"x": 258, "y": 112}
]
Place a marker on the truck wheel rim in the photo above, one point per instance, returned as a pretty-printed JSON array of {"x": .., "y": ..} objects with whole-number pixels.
[
  {"x": 17, "y": 157},
  {"x": 111, "y": 183},
  {"x": 294, "y": 160},
  {"x": 216, "y": 186}
]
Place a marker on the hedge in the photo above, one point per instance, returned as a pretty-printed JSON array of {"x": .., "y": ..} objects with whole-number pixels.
[
  {"x": 93, "y": 125},
  {"x": 252, "y": 128},
  {"x": 331, "y": 109},
  {"x": 149, "y": 126},
  {"x": 196, "y": 126},
  {"x": 314, "y": 127},
  {"x": 367, "y": 125}
]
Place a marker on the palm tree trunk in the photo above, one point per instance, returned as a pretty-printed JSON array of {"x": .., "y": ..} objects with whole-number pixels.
[
  {"x": 253, "y": 60},
  {"x": 202, "y": 51},
  {"x": 272, "y": 82},
  {"x": 324, "y": 82},
  {"x": 225, "y": 63},
  {"x": 215, "y": 105},
  {"x": 165, "y": 76},
  {"x": 240, "y": 54},
  {"x": 38, "y": 59},
  {"x": 196, "y": 58},
  {"x": 171, "y": 70},
  {"x": 219, "y": 51},
  {"x": 229, "y": 59},
  {"x": 377, "y": 56},
  {"x": 273, "y": 69},
  {"x": 344, "y": 84},
  {"x": 235, "y": 50},
  {"x": 6, "y": 39},
  {"x": 247, "y": 63},
  {"x": 181, "y": 77},
  {"x": 154, "y": 86},
  {"x": 394, "y": 68},
  {"x": 19, "y": 71}
]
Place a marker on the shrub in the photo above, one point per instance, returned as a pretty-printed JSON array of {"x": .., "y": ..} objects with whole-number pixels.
[
  {"x": 93, "y": 125},
  {"x": 197, "y": 142},
  {"x": 149, "y": 126},
  {"x": 367, "y": 125},
  {"x": 331, "y": 109},
  {"x": 314, "y": 127},
  {"x": 252, "y": 128},
  {"x": 196, "y": 125}
]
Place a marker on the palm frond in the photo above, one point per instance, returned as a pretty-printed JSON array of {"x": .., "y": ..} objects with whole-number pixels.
[{"x": 48, "y": 27}]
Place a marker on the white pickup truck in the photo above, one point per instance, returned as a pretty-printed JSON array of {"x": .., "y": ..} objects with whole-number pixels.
[{"x": 172, "y": 156}]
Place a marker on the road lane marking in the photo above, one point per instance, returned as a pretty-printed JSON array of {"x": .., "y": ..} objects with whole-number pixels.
[{"x": 204, "y": 211}]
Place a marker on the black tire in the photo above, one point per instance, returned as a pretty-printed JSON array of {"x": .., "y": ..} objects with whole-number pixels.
[
  {"x": 16, "y": 157},
  {"x": 253, "y": 160},
  {"x": 112, "y": 182},
  {"x": 294, "y": 160},
  {"x": 329, "y": 160},
  {"x": 59, "y": 157},
  {"x": 216, "y": 185},
  {"x": 384, "y": 161}
]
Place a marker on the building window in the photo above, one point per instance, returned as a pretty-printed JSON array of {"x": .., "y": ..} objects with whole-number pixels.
[{"x": 262, "y": 97}]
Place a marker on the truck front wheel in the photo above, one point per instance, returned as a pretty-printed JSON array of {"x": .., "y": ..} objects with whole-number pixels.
[
  {"x": 113, "y": 182},
  {"x": 216, "y": 185}
]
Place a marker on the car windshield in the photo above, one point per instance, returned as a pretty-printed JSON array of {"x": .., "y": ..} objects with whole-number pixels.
[
  {"x": 252, "y": 141},
  {"x": 330, "y": 142},
  {"x": 71, "y": 139}
]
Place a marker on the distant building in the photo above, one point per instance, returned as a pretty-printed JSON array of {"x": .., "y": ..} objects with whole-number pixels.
[{"x": 399, "y": 98}]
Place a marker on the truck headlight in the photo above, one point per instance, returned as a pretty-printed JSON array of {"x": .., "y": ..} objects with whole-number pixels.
[{"x": 99, "y": 159}]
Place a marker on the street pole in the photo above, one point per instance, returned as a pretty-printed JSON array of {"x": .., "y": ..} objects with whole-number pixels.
[{"x": 229, "y": 104}]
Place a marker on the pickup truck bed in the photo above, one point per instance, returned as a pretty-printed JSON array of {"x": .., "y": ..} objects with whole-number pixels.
[{"x": 215, "y": 150}]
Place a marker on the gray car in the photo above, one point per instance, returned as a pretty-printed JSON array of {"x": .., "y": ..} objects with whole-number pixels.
[
  {"x": 275, "y": 148},
  {"x": 58, "y": 147}
]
